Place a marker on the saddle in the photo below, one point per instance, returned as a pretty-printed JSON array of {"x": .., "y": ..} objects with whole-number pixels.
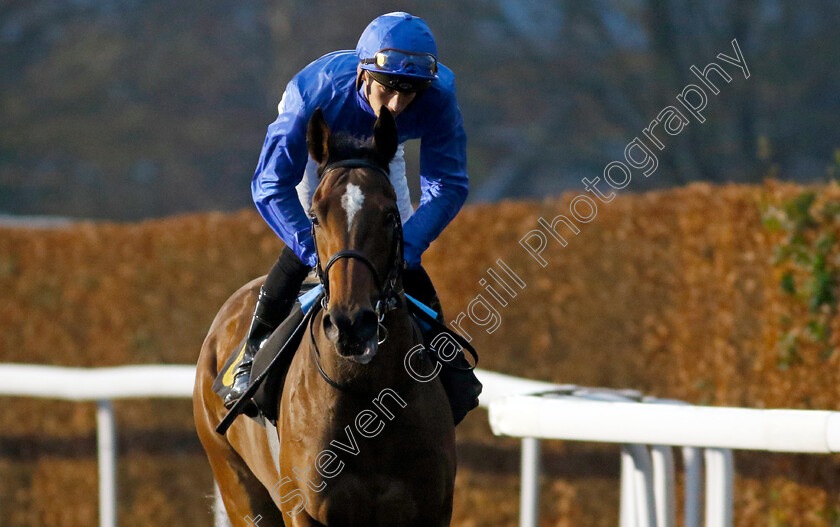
[{"x": 274, "y": 357}]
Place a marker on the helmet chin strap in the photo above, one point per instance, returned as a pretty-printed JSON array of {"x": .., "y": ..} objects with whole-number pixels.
[
  {"x": 362, "y": 79},
  {"x": 359, "y": 78}
]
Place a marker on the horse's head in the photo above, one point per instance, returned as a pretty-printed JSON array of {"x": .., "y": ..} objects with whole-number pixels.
[{"x": 356, "y": 225}]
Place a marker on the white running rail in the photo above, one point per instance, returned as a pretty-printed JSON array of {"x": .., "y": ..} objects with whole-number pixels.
[
  {"x": 565, "y": 417},
  {"x": 648, "y": 427},
  {"x": 562, "y": 412},
  {"x": 101, "y": 385}
]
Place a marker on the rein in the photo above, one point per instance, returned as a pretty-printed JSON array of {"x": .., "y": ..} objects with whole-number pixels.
[
  {"x": 356, "y": 162},
  {"x": 316, "y": 357}
]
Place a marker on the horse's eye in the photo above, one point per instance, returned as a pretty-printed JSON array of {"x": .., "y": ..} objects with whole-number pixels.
[{"x": 313, "y": 219}]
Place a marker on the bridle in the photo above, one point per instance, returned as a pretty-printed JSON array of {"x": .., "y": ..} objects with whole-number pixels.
[
  {"x": 388, "y": 299},
  {"x": 388, "y": 295}
]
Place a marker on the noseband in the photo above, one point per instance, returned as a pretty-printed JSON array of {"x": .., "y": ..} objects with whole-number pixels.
[{"x": 388, "y": 297}]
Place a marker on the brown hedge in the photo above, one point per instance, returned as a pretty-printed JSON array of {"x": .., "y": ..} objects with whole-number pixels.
[{"x": 675, "y": 293}]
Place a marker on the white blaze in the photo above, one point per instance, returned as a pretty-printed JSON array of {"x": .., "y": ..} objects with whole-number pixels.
[{"x": 352, "y": 201}]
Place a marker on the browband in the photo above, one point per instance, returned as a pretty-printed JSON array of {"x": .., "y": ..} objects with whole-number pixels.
[{"x": 354, "y": 163}]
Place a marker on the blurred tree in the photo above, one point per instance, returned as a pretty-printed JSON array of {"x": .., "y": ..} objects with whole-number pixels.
[{"x": 150, "y": 107}]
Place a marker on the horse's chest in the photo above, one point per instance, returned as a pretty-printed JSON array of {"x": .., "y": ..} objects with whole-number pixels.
[
  {"x": 370, "y": 466},
  {"x": 372, "y": 501}
]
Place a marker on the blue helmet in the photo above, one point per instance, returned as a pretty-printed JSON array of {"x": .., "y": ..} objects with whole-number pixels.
[{"x": 399, "y": 48}]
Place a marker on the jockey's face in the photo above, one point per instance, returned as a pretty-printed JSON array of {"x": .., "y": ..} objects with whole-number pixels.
[{"x": 379, "y": 95}]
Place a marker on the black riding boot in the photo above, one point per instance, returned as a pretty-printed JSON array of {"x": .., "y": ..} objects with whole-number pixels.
[
  {"x": 277, "y": 296},
  {"x": 269, "y": 313},
  {"x": 461, "y": 386},
  {"x": 416, "y": 282}
]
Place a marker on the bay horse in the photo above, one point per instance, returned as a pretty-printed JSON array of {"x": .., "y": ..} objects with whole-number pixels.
[{"x": 359, "y": 440}]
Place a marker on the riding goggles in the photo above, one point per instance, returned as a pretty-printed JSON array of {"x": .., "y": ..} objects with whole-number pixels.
[{"x": 398, "y": 62}]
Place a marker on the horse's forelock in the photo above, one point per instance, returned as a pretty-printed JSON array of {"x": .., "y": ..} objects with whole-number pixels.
[
  {"x": 346, "y": 146},
  {"x": 342, "y": 148}
]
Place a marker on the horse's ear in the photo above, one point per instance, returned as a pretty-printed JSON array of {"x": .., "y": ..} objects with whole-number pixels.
[
  {"x": 385, "y": 135},
  {"x": 318, "y": 137}
]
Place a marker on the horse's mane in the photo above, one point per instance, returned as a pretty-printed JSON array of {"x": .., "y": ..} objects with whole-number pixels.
[{"x": 345, "y": 146}]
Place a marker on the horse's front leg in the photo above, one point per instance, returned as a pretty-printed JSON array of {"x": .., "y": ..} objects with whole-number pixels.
[{"x": 245, "y": 500}]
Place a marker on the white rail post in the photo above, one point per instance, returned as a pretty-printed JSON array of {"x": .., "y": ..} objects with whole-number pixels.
[
  {"x": 663, "y": 484},
  {"x": 642, "y": 485},
  {"x": 693, "y": 464},
  {"x": 107, "y": 452},
  {"x": 664, "y": 481},
  {"x": 719, "y": 485},
  {"x": 627, "y": 505},
  {"x": 529, "y": 497}
]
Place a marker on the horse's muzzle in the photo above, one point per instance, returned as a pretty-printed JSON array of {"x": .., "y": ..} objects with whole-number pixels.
[{"x": 354, "y": 334}]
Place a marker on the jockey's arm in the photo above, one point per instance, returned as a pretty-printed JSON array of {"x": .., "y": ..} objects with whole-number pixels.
[
  {"x": 280, "y": 168},
  {"x": 443, "y": 182}
]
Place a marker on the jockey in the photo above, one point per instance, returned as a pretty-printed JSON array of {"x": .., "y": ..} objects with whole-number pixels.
[{"x": 394, "y": 65}]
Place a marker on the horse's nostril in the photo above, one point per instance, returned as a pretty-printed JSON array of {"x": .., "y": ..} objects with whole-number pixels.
[
  {"x": 329, "y": 328},
  {"x": 351, "y": 330},
  {"x": 337, "y": 326},
  {"x": 365, "y": 324}
]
